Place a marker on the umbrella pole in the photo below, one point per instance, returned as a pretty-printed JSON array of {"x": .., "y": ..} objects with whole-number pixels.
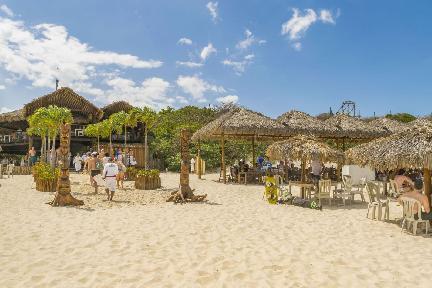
[
  {"x": 427, "y": 183},
  {"x": 253, "y": 151},
  {"x": 223, "y": 159},
  {"x": 199, "y": 160},
  {"x": 338, "y": 171}
]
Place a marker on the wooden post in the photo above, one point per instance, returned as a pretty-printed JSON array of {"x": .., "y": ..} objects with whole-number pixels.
[
  {"x": 343, "y": 144},
  {"x": 199, "y": 160},
  {"x": 303, "y": 177},
  {"x": 338, "y": 168},
  {"x": 253, "y": 151},
  {"x": 427, "y": 183},
  {"x": 223, "y": 159}
]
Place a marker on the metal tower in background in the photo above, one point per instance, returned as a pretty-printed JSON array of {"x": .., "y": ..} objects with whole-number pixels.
[{"x": 348, "y": 108}]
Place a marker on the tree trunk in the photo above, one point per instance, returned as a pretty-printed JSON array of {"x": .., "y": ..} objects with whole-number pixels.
[
  {"x": 43, "y": 148},
  {"x": 63, "y": 196},
  {"x": 223, "y": 159},
  {"x": 199, "y": 167},
  {"x": 110, "y": 145},
  {"x": 98, "y": 145},
  {"x": 145, "y": 148},
  {"x": 185, "y": 193},
  {"x": 124, "y": 150},
  {"x": 53, "y": 152}
]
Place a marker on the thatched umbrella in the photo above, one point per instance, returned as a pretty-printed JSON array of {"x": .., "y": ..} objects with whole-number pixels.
[
  {"x": 300, "y": 123},
  {"x": 348, "y": 127},
  {"x": 303, "y": 148},
  {"x": 239, "y": 123},
  {"x": 388, "y": 125},
  {"x": 420, "y": 122},
  {"x": 115, "y": 107},
  {"x": 408, "y": 149}
]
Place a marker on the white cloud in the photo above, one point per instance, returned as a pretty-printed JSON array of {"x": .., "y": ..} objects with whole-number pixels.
[
  {"x": 182, "y": 100},
  {"x": 297, "y": 46},
  {"x": 4, "y": 110},
  {"x": 248, "y": 41},
  {"x": 151, "y": 92},
  {"x": 298, "y": 24},
  {"x": 2, "y": 87},
  {"x": 45, "y": 52},
  {"x": 326, "y": 17},
  {"x": 213, "y": 9},
  {"x": 184, "y": 41},
  {"x": 189, "y": 64},
  {"x": 239, "y": 67},
  {"x": 6, "y": 10},
  {"x": 207, "y": 51},
  {"x": 197, "y": 87},
  {"x": 233, "y": 99}
]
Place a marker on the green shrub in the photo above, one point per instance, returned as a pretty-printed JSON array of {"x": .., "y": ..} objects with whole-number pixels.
[{"x": 44, "y": 171}]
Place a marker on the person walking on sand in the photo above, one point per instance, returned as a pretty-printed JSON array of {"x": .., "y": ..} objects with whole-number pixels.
[
  {"x": 121, "y": 175},
  {"x": 109, "y": 174},
  {"x": 77, "y": 162},
  {"x": 32, "y": 156}
]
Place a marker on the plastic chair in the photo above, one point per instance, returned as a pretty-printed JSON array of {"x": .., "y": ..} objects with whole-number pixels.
[
  {"x": 375, "y": 202},
  {"x": 409, "y": 207},
  {"x": 10, "y": 170},
  {"x": 324, "y": 191}
]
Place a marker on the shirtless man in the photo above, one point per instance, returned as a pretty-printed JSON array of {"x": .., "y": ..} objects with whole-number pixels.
[
  {"x": 401, "y": 178},
  {"x": 415, "y": 193},
  {"x": 32, "y": 156},
  {"x": 92, "y": 169}
]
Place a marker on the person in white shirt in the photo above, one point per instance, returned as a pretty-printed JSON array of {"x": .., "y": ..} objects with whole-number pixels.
[
  {"x": 316, "y": 167},
  {"x": 192, "y": 165},
  {"x": 77, "y": 162},
  {"x": 109, "y": 174}
]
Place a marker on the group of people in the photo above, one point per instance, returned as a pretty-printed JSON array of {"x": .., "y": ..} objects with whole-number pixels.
[{"x": 105, "y": 167}]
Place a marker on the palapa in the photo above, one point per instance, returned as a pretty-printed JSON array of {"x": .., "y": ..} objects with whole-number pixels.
[
  {"x": 303, "y": 148},
  {"x": 300, "y": 123},
  {"x": 408, "y": 149},
  {"x": 353, "y": 128},
  {"x": 116, "y": 107},
  {"x": 241, "y": 123},
  {"x": 389, "y": 125}
]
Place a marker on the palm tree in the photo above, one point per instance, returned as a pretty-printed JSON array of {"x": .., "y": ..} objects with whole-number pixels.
[
  {"x": 94, "y": 130},
  {"x": 107, "y": 128},
  {"x": 38, "y": 125},
  {"x": 56, "y": 117},
  {"x": 147, "y": 116}
]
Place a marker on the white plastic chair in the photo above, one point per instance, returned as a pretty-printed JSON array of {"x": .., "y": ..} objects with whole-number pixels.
[
  {"x": 324, "y": 191},
  {"x": 10, "y": 170},
  {"x": 375, "y": 202},
  {"x": 394, "y": 188},
  {"x": 348, "y": 185},
  {"x": 409, "y": 207}
]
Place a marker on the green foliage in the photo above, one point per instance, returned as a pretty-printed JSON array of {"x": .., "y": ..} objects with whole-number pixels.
[
  {"x": 44, "y": 171},
  {"x": 148, "y": 173},
  {"x": 118, "y": 121},
  {"x": 402, "y": 117},
  {"x": 46, "y": 121},
  {"x": 93, "y": 130}
]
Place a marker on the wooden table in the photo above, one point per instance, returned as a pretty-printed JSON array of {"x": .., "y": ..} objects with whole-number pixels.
[{"x": 302, "y": 185}]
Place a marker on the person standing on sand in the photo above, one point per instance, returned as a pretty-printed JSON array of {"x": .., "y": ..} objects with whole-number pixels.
[
  {"x": 192, "y": 165},
  {"x": 109, "y": 174},
  {"x": 92, "y": 169},
  {"x": 77, "y": 162},
  {"x": 32, "y": 156}
]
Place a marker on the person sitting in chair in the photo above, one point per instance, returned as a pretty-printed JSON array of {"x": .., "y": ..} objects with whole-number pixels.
[
  {"x": 402, "y": 180},
  {"x": 415, "y": 192}
]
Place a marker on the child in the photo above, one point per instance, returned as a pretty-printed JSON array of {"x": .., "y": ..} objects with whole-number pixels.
[{"x": 121, "y": 174}]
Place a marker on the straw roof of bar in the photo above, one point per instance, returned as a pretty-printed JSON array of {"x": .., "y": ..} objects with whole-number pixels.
[
  {"x": 13, "y": 116},
  {"x": 241, "y": 123},
  {"x": 116, "y": 107},
  {"x": 303, "y": 148},
  {"x": 419, "y": 122},
  {"x": 297, "y": 122},
  {"x": 408, "y": 149},
  {"x": 65, "y": 97},
  {"x": 353, "y": 128},
  {"x": 389, "y": 125}
]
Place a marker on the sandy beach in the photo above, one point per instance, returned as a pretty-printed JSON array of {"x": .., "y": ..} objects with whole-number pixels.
[{"x": 234, "y": 240}]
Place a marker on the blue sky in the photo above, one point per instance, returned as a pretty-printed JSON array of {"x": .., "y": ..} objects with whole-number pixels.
[{"x": 270, "y": 56}]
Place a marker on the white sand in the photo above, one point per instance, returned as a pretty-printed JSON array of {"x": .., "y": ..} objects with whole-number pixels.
[{"x": 237, "y": 240}]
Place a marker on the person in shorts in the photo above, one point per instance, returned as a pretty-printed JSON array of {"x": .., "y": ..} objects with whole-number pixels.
[{"x": 109, "y": 174}]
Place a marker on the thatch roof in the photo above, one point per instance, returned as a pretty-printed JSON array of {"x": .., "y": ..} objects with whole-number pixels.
[
  {"x": 65, "y": 97},
  {"x": 241, "y": 123},
  {"x": 408, "y": 149},
  {"x": 116, "y": 107},
  {"x": 420, "y": 122},
  {"x": 297, "y": 122},
  {"x": 303, "y": 148},
  {"x": 353, "y": 128},
  {"x": 388, "y": 125},
  {"x": 83, "y": 111},
  {"x": 13, "y": 116}
]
